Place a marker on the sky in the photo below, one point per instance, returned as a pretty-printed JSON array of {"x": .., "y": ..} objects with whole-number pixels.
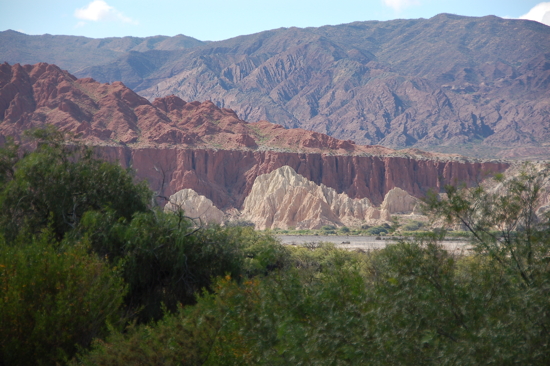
[{"x": 214, "y": 20}]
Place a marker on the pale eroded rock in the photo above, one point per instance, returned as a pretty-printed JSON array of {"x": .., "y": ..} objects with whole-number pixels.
[
  {"x": 195, "y": 206},
  {"x": 284, "y": 199},
  {"x": 398, "y": 201}
]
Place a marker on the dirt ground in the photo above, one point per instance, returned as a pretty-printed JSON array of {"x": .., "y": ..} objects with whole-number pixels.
[{"x": 360, "y": 242}]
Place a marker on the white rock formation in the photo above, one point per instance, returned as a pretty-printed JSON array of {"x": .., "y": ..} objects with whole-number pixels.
[
  {"x": 398, "y": 201},
  {"x": 284, "y": 199},
  {"x": 195, "y": 206}
]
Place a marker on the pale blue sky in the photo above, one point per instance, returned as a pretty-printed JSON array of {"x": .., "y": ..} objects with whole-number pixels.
[{"x": 222, "y": 19}]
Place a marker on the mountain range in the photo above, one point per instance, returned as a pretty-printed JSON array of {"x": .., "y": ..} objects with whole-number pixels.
[
  {"x": 175, "y": 145},
  {"x": 476, "y": 86}
]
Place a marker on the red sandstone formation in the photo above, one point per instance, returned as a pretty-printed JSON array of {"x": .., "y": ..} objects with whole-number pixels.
[
  {"x": 112, "y": 114},
  {"x": 226, "y": 176},
  {"x": 177, "y": 145}
]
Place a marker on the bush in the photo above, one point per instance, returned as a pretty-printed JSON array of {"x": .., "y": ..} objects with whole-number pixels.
[
  {"x": 165, "y": 260},
  {"x": 295, "y": 316},
  {"x": 56, "y": 184},
  {"x": 412, "y": 226},
  {"x": 344, "y": 229},
  {"x": 241, "y": 223},
  {"x": 377, "y": 230},
  {"x": 54, "y": 300}
]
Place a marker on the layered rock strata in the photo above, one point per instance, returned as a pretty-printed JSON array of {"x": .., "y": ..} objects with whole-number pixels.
[
  {"x": 284, "y": 199},
  {"x": 226, "y": 176},
  {"x": 176, "y": 145}
]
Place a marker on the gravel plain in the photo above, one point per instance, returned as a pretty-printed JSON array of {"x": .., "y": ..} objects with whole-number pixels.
[{"x": 361, "y": 242}]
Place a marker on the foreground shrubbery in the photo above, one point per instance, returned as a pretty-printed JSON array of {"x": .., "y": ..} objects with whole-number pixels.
[
  {"x": 81, "y": 250},
  {"x": 53, "y": 299},
  {"x": 152, "y": 289},
  {"x": 407, "y": 304}
]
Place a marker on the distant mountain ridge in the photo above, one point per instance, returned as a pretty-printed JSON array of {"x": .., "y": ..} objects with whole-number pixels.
[
  {"x": 476, "y": 86},
  {"x": 75, "y": 52}
]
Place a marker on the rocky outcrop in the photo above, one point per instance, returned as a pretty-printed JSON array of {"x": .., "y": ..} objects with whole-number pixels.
[
  {"x": 112, "y": 114},
  {"x": 177, "y": 145},
  {"x": 226, "y": 176},
  {"x": 284, "y": 199},
  {"x": 195, "y": 206},
  {"x": 398, "y": 201}
]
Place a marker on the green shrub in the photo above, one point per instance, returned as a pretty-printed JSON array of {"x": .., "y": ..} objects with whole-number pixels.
[
  {"x": 56, "y": 184},
  {"x": 284, "y": 318},
  {"x": 377, "y": 230},
  {"x": 242, "y": 223},
  {"x": 344, "y": 229},
  {"x": 165, "y": 260},
  {"x": 412, "y": 226},
  {"x": 53, "y": 300}
]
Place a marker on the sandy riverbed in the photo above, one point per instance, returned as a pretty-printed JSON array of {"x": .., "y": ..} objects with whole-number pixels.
[{"x": 358, "y": 242}]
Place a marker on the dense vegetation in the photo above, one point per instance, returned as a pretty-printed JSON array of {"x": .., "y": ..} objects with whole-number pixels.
[{"x": 92, "y": 274}]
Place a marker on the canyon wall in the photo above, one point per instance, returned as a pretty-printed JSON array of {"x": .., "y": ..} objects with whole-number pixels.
[
  {"x": 176, "y": 145},
  {"x": 226, "y": 176}
]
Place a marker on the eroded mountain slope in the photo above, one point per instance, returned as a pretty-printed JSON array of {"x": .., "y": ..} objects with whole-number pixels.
[
  {"x": 176, "y": 145},
  {"x": 478, "y": 86}
]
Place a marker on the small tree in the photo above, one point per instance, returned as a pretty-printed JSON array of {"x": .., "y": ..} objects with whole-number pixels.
[
  {"x": 509, "y": 278},
  {"x": 54, "y": 185},
  {"x": 503, "y": 222}
]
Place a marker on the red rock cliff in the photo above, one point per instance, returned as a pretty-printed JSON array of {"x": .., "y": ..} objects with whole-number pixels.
[
  {"x": 177, "y": 145},
  {"x": 226, "y": 176}
]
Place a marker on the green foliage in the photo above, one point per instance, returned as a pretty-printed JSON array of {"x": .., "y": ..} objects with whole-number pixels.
[
  {"x": 410, "y": 303},
  {"x": 243, "y": 223},
  {"x": 9, "y": 155},
  {"x": 412, "y": 226},
  {"x": 284, "y": 318},
  {"x": 53, "y": 299},
  {"x": 165, "y": 260},
  {"x": 79, "y": 244},
  {"x": 377, "y": 230},
  {"x": 512, "y": 244},
  {"x": 57, "y": 183},
  {"x": 344, "y": 229}
]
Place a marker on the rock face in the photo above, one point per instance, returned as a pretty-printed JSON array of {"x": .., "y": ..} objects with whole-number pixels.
[
  {"x": 226, "y": 176},
  {"x": 398, "y": 201},
  {"x": 434, "y": 83},
  {"x": 195, "y": 206},
  {"x": 112, "y": 114},
  {"x": 177, "y": 145},
  {"x": 285, "y": 199}
]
